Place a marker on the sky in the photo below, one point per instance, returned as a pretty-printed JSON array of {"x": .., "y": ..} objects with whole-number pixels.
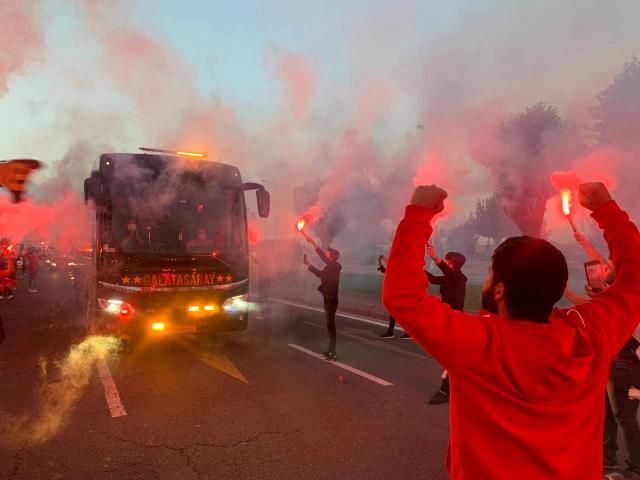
[{"x": 273, "y": 86}]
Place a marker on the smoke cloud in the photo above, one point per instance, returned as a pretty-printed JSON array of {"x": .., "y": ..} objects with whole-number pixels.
[
  {"x": 346, "y": 128},
  {"x": 21, "y": 37},
  {"x": 58, "y": 398}
]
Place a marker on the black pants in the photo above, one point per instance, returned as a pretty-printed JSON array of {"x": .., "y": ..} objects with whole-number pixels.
[
  {"x": 330, "y": 309},
  {"x": 622, "y": 412},
  {"x": 444, "y": 386},
  {"x": 392, "y": 324}
]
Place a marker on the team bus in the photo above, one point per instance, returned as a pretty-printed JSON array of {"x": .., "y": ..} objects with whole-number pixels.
[{"x": 169, "y": 250}]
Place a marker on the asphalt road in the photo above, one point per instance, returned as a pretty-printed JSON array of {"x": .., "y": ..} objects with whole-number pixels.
[{"x": 247, "y": 405}]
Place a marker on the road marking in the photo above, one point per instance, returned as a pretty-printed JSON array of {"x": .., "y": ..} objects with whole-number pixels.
[
  {"x": 344, "y": 366},
  {"x": 339, "y": 314},
  {"x": 384, "y": 344},
  {"x": 116, "y": 408},
  {"x": 224, "y": 364}
]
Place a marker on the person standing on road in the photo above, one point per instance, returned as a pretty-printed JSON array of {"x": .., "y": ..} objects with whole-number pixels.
[
  {"x": 329, "y": 285},
  {"x": 33, "y": 266},
  {"x": 453, "y": 289},
  {"x": 527, "y": 379},
  {"x": 392, "y": 323}
]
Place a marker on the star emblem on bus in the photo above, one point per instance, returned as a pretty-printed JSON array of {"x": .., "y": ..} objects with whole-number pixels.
[
  {"x": 125, "y": 280},
  {"x": 228, "y": 278}
]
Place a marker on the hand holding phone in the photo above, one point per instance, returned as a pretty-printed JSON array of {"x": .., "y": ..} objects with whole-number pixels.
[{"x": 595, "y": 275}]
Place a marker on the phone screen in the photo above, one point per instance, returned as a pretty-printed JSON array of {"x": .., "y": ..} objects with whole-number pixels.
[{"x": 595, "y": 275}]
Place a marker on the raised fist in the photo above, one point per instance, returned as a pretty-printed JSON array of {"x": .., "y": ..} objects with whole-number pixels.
[
  {"x": 429, "y": 196},
  {"x": 593, "y": 195}
]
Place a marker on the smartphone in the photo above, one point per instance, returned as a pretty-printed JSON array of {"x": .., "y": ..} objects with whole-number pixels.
[
  {"x": 305, "y": 258},
  {"x": 595, "y": 275}
]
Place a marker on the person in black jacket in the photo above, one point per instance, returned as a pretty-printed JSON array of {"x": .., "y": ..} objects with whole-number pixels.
[
  {"x": 329, "y": 285},
  {"x": 453, "y": 288}
]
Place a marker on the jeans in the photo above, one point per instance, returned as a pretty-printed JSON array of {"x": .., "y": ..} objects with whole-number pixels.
[
  {"x": 622, "y": 412},
  {"x": 330, "y": 309}
]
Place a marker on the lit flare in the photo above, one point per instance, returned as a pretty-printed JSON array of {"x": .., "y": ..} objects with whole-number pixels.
[
  {"x": 566, "y": 201},
  {"x": 565, "y": 194}
]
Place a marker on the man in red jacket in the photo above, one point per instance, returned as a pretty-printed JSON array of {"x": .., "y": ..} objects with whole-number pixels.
[{"x": 527, "y": 380}]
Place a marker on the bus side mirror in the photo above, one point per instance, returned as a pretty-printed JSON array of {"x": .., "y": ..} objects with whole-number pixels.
[{"x": 264, "y": 203}]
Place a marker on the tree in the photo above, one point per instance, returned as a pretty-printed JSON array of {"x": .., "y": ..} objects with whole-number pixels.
[
  {"x": 491, "y": 221},
  {"x": 617, "y": 113},
  {"x": 462, "y": 238},
  {"x": 532, "y": 145}
]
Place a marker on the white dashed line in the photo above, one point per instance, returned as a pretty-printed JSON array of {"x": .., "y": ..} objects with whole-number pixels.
[
  {"x": 344, "y": 366},
  {"x": 116, "y": 408}
]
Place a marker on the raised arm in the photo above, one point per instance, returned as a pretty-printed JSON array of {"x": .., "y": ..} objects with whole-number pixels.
[
  {"x": 574, "y": 298},
  {"x": 315, "y": 271},
  {"x": 615, "y": 312},
  {"x": 323, "y": 256},
  {"x": 435, "y": 279},
  {"x": 589, "y": 249},
  {"x": 453, "y": 338}
]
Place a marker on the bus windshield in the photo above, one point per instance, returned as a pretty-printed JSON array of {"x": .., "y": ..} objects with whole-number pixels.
[{"x": 188, "y": 217}]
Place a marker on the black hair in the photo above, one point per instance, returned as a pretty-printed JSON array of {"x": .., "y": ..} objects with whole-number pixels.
[
  {"x": 334, "y": 253},
  {"x": 457, "y": 259},
  {"x": 534, "y": 274}
]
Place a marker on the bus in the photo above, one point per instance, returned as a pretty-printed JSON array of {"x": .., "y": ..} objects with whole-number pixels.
[{"x": 169, "y": 249}]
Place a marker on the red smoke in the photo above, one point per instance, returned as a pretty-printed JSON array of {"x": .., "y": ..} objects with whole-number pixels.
[
  {"x": 310, "y": 216},
  {"x": 437, "y": 171},
  {"x": 255, "y": 234},
  {"x": 63, "y": 223},
  {"x": 598, "y": 166}
]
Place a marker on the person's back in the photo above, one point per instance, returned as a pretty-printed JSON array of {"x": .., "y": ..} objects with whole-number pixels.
[
  {"x": 533, "y": 398},
  {"x": 527, "y": 383}
]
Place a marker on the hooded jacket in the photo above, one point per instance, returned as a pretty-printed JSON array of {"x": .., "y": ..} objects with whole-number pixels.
[
  {"x": 329, "y": 276},
  {"x": 453, "y": 285},
  {"x": 526, "y": 398}
]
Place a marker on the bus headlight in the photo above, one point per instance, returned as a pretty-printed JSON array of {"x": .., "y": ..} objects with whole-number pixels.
[
  {"x": 236, "y": 304},
  {"x": 111, "y": 306}
]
